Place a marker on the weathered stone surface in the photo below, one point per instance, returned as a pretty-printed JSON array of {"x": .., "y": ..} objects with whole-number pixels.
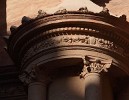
[
  {"x": 12, "y": 12},
  {"x": 15, "y": 10},
  {"x": 119, "y": 7}
]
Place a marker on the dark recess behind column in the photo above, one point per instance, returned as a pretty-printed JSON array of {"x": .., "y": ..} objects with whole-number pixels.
[{"x": 3, "y": 23}]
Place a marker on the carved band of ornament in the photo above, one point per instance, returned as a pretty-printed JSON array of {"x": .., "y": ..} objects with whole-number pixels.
[
  {"x": 94, "y": 66},
  {"x": 68, "y": 40},
  {"x": 41, "y": 13},
  {"x": 70, "y": 29},
  {"x": 57, "y": 30},
  {"x": 63, "y": 16},
  {"x": 84, "y": 10}
]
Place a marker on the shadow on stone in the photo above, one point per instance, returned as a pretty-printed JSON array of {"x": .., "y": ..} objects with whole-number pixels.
[
  {"x": 3, "y": 24},
  {"x": 101, "y": 2}
]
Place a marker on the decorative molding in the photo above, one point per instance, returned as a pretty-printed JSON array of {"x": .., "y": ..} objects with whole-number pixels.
[
  {"x": 68, "y": 40},
  {"x": 41, "y": 13},
  {"x": 25, "y": 20},
  {"x": 105, "y": 11},
  {"x": 94, "y": 65},
  {"x": 19, "y": 36},
  {"x": 12, "y": 29},
  {"x": 63, "y": 11},
  {"x": 123, "y": 17},
  {"x": 83, "y": 9},
  {"x": 26, "y": 42}
]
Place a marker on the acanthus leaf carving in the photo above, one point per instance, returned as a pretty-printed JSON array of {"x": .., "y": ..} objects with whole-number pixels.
[
  {"x": 28, "y": 77},
  {"x": 94, "y": 66}
]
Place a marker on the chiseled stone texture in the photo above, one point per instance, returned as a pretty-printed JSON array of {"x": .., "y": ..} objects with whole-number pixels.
[
  {"x": 12, "y": 11},
  {"x": 17, "y": 9}
]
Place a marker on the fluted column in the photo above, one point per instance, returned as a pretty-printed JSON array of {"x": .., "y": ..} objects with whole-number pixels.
[{"x": 91, "y": 75}]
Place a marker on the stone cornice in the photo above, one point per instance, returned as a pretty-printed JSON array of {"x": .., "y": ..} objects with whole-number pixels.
[
  {"x": 71, "y": 15},
  {"x": 44, "y": 20},
  {"x": 68, "y": 30}
]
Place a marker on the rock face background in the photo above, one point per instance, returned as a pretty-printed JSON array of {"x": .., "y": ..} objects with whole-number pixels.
[
  {"x": 12, "y": 11},
  {"x": 16, "y": 9}
]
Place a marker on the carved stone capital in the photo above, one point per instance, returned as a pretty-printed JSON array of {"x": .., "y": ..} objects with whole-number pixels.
[
  {"x": 28, "y": 77},
  {"x": 94, "y": 65},
  {"x": 34, "y": 75}
]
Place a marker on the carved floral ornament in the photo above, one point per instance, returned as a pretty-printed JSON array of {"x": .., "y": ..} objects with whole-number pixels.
[{"x": 94, "y": 66}]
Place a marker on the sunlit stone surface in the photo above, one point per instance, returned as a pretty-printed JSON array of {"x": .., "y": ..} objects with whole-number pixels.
[{"x": 16, "y": 10}]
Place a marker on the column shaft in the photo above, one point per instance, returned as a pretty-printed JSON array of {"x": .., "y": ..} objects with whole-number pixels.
[
  {"x": 37, "y": 91},
  {"x": 93, "y": 87}
]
